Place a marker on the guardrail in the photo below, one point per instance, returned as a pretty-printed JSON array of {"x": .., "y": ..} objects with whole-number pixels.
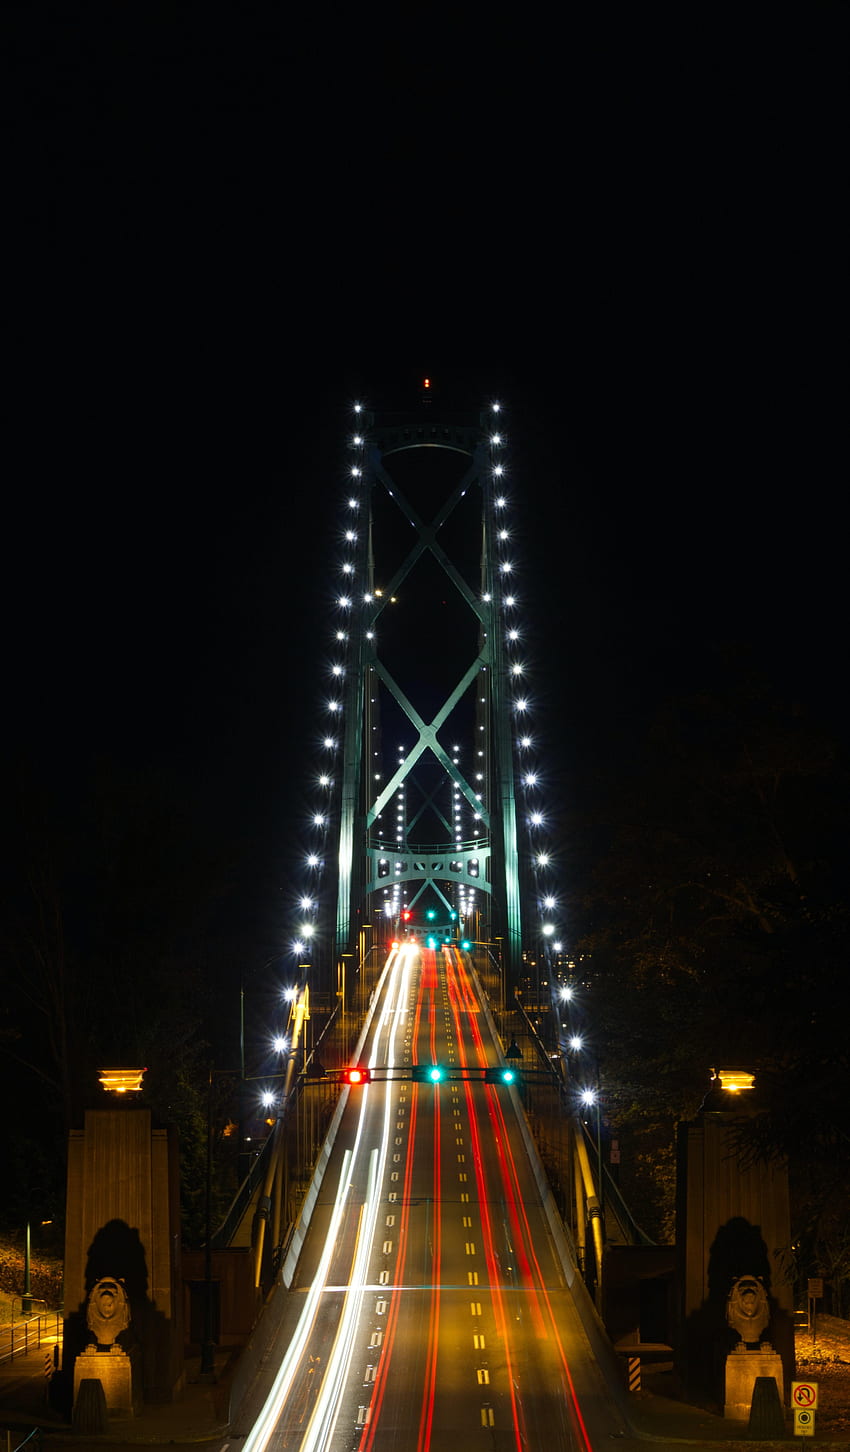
[
  {"x": 32, "y": 1439},
  {"x": 31, "y": 1333}
]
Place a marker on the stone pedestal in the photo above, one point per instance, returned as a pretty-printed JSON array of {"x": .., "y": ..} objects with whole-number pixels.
[
  {"x": 114, "y": 1370},
  {"x": 742, "y": 1368}
]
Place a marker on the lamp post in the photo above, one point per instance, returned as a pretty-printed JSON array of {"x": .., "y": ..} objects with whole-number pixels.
[
  {"x": 26, "y": 1298},
  {"x": 593, "y": 1097}
]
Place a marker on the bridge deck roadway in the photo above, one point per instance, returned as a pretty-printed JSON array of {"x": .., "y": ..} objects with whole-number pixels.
[{"x": 428, "y": 1309}]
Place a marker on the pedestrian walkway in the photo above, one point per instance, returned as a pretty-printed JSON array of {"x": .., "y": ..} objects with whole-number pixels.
[{"x": 199, "y": 1416}]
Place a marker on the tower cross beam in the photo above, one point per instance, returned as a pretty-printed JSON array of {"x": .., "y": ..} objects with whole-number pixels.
[
  {"x": 427, "y": 739},
  {"x": 427, "y": 539}
]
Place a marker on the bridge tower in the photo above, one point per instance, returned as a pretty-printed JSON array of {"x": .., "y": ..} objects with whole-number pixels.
[{"x": 430, "y": 681}]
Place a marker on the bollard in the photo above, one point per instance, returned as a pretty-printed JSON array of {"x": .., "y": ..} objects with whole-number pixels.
[
  {"x": 766, "y": 1418},
  {"x": 90, "y": 1408}
]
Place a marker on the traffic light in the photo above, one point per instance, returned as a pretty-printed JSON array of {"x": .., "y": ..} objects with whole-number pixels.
[
  {"x": 428, "y": 1073},
  {"x": 465, "y": 944},
  {"x": 503, "y": 1075},
  {"x": 406, "y": 915},
  {"x": 430, "y": 915},
  {"x": 356, "y": 1074}
]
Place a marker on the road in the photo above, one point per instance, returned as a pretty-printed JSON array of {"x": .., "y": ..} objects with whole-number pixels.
[{"x": 429, "y": 1310}]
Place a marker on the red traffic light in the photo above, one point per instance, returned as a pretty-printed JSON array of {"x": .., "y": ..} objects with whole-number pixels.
[
  {"x": 357, "y": 1074},
  {"x": 406, "y": 915}
]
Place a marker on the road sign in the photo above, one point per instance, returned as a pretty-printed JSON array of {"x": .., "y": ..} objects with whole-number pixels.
[
  {"x": 804, "y": 1422},
  {"x": 804, "y": 1394},
  {"x": 815, "y": 1287}
]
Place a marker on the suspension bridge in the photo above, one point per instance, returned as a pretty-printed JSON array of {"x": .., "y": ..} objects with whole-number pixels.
[{"x": 437, "y": 1261}]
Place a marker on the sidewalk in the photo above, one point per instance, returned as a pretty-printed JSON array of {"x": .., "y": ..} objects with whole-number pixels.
[{"x": 199, "y": 1416}]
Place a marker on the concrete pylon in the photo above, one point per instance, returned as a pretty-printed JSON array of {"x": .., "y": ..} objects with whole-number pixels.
[{"x": 123, "y": 1221}]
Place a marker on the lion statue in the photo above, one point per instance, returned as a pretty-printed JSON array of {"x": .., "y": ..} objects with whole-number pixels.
[
  {"x": 108, "y": 1310},
  {"x": 747, "y": 1310}
]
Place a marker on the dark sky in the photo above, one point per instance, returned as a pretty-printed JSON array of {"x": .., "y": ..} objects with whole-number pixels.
[{"x": 226, "y": 229}]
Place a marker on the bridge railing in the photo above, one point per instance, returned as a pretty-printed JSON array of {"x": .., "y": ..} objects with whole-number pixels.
[{"x": 550, "y": 1108}]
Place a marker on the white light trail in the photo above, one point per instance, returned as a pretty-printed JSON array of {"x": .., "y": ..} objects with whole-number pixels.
[{"x": 327, "y": 1405}]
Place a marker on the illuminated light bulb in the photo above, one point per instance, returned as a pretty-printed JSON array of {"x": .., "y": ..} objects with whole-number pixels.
[
  {"x": 548, "y": 930},
  {"x": 368, "y": 598},
  {"x": 318, "y": 820},
  {"x": 500, "y": 502},
  {"x": 531, "y": 779},
  {"x": 348, "y": 569},
  {"x": 353, "y": 504},
  {"x": 558, "y": 947},
  {"x": 549, "y": 902},
  {"x": 324, "y": 781},
  {"x": 543, "y": 859},
  {"x": 521, "y": 704},
  {"x": 495, "y": 438},
  {"x": 355, "y": 472},
  {"x": 329, "y": 743},
  {"x": 358, "y": 408},
  {"x": 298, "y": 946},
  {"x": 280, "y": 1045},
  {"x": 357, "y": 440},
  {"x": 536, "y": 819},
  {"x": 516, "y": 670},
  {"x": 525, "y": 741},
  {"x": 342, "y": 635},
  {"x": 506, "y": 568},
  {"x": 334, "y": 706},
  {"x": 307, "y": 930},
  {"x": 496, "y": 407},
  {"x": 513, "y": 635},
  {"x": 370, "y": 635},
  {"x": 305, "y": 904},
  {"x": 337, "y": 670},
  {"x": 510, "y": 601},
  {"x": 350, "y": 536},
  {"x": 504, "y": 534},
  {"x": 312, "y": 860},
  {"x": 344, "y": 602},
  {"x": 498, "y": 471}
]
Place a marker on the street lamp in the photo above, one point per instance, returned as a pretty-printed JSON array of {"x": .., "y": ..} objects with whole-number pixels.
[{"x": 592, "y": 1097}]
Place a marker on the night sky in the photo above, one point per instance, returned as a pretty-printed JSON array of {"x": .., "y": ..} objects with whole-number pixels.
[{"x": 223, "y": 234}]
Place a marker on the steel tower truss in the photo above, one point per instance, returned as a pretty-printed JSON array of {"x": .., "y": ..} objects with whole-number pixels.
[{"x": 369, "y": 860}]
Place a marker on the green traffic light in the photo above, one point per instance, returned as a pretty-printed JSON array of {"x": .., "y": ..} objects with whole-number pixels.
[
  {"x": 502, "y": 1075},
  {"x": 428, "y": 1073}
]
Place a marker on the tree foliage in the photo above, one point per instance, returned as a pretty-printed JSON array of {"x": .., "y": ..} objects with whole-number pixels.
[{"x": 713, "y": 925}]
